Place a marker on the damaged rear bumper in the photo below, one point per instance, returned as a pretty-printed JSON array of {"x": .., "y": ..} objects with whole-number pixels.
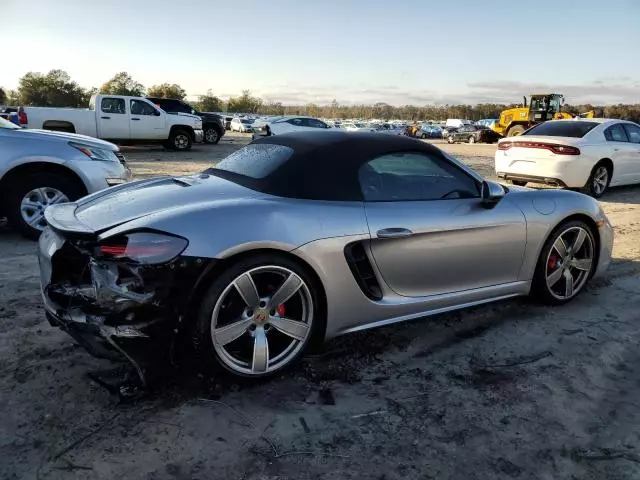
[{"x": 118, "y": 311}]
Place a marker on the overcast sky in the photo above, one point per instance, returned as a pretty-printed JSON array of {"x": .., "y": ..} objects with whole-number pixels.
[{"x": 299, "y": 51}]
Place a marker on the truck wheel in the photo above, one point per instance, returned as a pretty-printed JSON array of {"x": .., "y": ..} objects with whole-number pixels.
[
  {"x": 449, "y": 139},
  {"x": 472, "y": 139},
  {"x": 515, "y": 131},
  {"x": 180, "y": 140},
  {"x": 211, "y": 135},
  {"x": 30, "y": 195}
]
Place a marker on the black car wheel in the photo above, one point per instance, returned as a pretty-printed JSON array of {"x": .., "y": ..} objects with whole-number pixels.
[
  {"x": 566, "y": 263},
  {"x": 29, "y": 196},
  {"x": 211, "y": 135},
  {"x": 258, "y": 317},
  {"x": 180, "y": 140}
]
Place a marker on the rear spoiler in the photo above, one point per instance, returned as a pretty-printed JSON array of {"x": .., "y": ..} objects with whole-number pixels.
[{"x": 62, "y": 219}]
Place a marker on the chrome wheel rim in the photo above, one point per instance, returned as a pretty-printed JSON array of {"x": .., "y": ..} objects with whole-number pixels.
[
  {"x": 472, "y": 140},
  {"x": 211, "y": 135},
  {"x": 36, "y": 201},
  {"x": 181, "y": 141},
  {"x": 262, "y": 320},
  {"x": 569, "y": 263},
  {"x": 600, "y": 180}
]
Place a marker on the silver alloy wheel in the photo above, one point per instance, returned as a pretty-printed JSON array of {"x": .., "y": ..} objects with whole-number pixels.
[
  {"x": 472, "y": 139},
  {"x": 34, "y": 203},
  {"x": 181, "y": 141},
  {"x": 211, "y": 135},
  {"x": 262, "y": 318},
  {"x": 600, "y": 180},
  {"x": 569, "y": 263}
]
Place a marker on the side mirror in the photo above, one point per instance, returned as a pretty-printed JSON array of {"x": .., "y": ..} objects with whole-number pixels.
[{"x": 491, "y": 193}]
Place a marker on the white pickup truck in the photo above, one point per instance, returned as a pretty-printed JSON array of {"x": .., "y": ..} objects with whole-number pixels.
[{"x": 121, "y": 119}]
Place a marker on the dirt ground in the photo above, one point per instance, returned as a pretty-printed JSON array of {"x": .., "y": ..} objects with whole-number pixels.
[{"x": 510, "y": 390}]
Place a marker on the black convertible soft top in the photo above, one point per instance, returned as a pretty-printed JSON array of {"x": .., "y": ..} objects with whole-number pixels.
[{"x": 324, "y": 165}]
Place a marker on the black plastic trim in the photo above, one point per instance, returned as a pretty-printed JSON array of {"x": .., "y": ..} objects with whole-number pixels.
[{"x": 362, "y": 270}]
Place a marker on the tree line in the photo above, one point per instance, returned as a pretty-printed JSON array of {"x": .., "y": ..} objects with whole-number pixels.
[{"x": 57, "y": 89}]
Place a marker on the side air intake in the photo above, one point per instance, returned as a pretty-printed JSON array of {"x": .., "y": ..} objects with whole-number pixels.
[{"x": 363, "y": 270}]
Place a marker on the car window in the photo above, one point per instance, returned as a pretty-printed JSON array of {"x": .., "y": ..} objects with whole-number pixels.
[
  {"x": 414, "y": 176},
  {"x": 296, "y": 121},
  {"x": 256, "y": 160},
  {"x": 139, "y": 107},
  {"x": 573, "y": 128},
  {"x": 615, "y": 133},
  {"x": 312, "y": 122},
  {"x": 113, "y": 105},
  {"x": 633, "y": 132}
]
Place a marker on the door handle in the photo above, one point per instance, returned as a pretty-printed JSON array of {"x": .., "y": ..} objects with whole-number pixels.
[
  {"x": 135, "y": 119},
  {"x": 394, "y": 233},
  {"x": 105, "y": 118}
]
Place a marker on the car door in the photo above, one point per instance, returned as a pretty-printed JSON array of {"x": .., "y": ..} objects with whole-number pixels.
[
  {"x": 633, "y": 133},
  {"x": 430, "y": 234},
  {"x": 621, "y": 153},
  {"x": 113, "y": 119},
  {"x": 146, "y": 121}
]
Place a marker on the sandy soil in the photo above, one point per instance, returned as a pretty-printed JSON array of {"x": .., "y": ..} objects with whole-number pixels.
[{"x": 511, "y": 390}]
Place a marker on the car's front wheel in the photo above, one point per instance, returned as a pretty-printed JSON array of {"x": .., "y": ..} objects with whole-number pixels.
[
  {"x": 566, "y": 263},
  {"x": 180, "y": 140},
  {"x": 450, "y": 139},
  {"x": 29, "y": 196},
  {"x": 472, "y": 139},
  {"x": 258, "y": 317}
]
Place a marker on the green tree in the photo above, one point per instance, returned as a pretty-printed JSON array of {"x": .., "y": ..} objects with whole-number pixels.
[
  {"x": 55, "y": 89},
  {"x": 122, "y": 84},
  {"x": 245, "y": 103},
  {"x": 167, "y": 90},
  {"x": 3, "y": 96},
  {"x": 209, "y": 103}
]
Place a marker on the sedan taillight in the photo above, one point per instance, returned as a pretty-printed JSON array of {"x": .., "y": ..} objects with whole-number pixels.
[{"x": 552, "y": 147}]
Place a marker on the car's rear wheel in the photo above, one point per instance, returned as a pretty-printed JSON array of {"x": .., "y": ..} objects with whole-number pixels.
[
  {"x": 566, "y": 263},
  {"x": 211, "y": 135},
  {"x": 29, "y": 196},
  {"x": 598, "y": 181},
  {"x": 258, "y": 317}
]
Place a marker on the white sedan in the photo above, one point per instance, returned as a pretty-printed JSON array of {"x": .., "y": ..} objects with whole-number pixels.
[
  {"x": 280, "y": 125},
  {"x": 357, "y": 127},
  {"x": 242, "y": 125},
  {"x": 590, "y": 154}
]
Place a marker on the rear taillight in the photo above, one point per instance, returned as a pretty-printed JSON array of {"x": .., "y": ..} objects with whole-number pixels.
[
  {"x": 142, "y": 247},
  {"x": 552, "y": 147}
]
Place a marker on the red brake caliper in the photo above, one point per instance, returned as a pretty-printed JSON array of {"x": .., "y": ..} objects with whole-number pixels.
[
  {"x": 281, "y": 310},
  {"x": 553, "y": 262}
]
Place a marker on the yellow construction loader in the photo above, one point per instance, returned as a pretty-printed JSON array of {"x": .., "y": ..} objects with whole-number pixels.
[{"x": 542, "y": 107}]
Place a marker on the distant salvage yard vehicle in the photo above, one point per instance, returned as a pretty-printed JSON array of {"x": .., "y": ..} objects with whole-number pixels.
[
  {"x": 300, "y": 237},
  {"x": 473, "y": 134},
  {"x": 42, "y": 168},
  {"x": 121, "y": 119}
]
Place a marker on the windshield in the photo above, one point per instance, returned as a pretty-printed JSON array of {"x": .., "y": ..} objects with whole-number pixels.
[
  {"x": 8, "y": 125},
  {"x": 565, "y": 128},
  {"x": 247, "y": 121},
  {"x": 254, "y": 161}
]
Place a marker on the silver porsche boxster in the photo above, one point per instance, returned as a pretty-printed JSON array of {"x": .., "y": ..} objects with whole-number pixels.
[{"x": 300, "y": 237}]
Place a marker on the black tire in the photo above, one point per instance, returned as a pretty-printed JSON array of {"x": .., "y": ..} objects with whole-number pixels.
[
  {"x": 594, "y": 185},
  {"x": 206, "y": 355},
  {"x": 519, "y": 183},
  {"x": 539, "y": 289},
  {"x": 423, "y": 136},
  {"x": 23, "y": 185},
  {"x": 180, "y": 140},
  {"x": 211, "y": 135},
  {"x": 515, "y": 131}
]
